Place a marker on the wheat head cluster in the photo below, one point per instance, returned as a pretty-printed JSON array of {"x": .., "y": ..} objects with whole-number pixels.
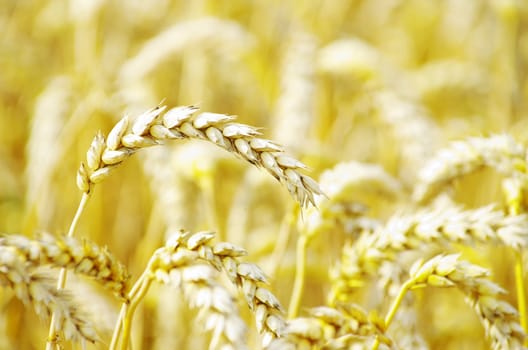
[{"x": 264, "y": 174}]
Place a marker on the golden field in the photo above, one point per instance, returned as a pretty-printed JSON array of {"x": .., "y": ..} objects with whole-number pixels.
[{"x": 316, "y": 174}]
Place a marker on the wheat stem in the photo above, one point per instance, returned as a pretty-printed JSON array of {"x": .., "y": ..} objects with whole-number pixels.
[
  {"x": 61, "y": 283},
  {"x": 124, "y": 321},
  {"x": 298, "y": 285},
  {"x": 119, "y": 326},
  {"x": 521, "y": 292},
  {"x": 394, "y": 307},
  {"x": 513, "y": 191},
  {"x": 129, "y": 312}
]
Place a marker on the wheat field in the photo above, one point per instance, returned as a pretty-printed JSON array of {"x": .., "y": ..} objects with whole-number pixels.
[{"x": 252, "y": 174}]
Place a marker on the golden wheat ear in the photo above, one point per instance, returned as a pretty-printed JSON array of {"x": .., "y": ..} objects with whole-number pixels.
[
  {"x": 249, "y": 278},
  {"x": 499, "y": 152},
  {"x": 39, "y": 290},
  {"x": 153, "y": 127},
  {"x": 81, "y": 255},
  {"x": 499, "y": 318},
  {"x": 344, "y": 327}
]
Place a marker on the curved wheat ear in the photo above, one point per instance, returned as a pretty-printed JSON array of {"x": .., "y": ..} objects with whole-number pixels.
[
  {"x": 40, "y": 291},
  {"x": 187, "y": 248},
  {"x": 499, "y": 152},
  {"x": 228, "y": 38},
  {"x": 151, "y": 128},
  {"x": 83, "y": 256},
  {"x": 331, "y": 328},
  {"x": 437, "y": 227},
  {"x": 449, "y": 75},
  {"x": 499, "y": 318}
]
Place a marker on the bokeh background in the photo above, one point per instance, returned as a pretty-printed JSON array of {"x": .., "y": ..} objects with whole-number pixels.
[{"x": 386, "y": 82}]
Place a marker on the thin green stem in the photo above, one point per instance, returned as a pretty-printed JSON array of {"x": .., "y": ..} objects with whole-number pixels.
[
  {"x": 61, "y": 283},
  {"x": 298, "y": 285},
  {"x": 397, "y": 302},
  {"x": 394, "y": 307}
]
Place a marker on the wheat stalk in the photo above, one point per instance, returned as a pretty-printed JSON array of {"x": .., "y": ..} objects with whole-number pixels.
[
  {"x": 38, "y": 289},
  {"x": 151, "y": 128}
]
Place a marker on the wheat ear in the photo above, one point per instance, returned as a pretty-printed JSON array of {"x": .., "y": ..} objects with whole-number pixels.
[
  {"x": 153, "y": 127},
  {"x": 331, "y": 328},
  {"x": 500, "y": 152},
  {"x": 217, "y": 307},
  {"x": 499, "y": 318},
  {"x": 427, "y": 227},
  {"x": 186, "y": 248},
  {"x": 39, "y": 290},
  {"x": 83, "y": 256}
]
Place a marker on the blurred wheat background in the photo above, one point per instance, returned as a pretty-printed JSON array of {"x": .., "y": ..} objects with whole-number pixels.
[{"x": 363, "y": 92}]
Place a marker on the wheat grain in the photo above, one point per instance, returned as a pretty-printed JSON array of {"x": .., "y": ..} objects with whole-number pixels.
[
  {"x": 38, "y": 290},
  {"x": 83, "y": 256},
  {"x": 151, "y": 128},
  {"x": 500, "y": 152}
]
